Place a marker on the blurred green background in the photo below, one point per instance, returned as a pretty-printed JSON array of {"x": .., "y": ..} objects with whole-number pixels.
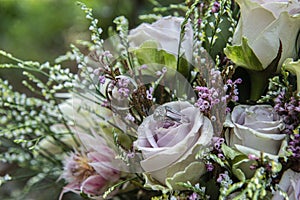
[{"x": 43, "y": 29}]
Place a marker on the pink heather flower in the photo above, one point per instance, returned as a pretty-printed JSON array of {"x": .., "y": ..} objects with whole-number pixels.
[
  {"x": 209, "y": 167},
  {"x": 193, "y": 196},
  {"x": 252, "y": 157},
  {"x": 90, "y": 171},
  {"x": 143, "y": 67},
  {"x": 149, "y": 93},
  {"x": 102, "y": 79},
  {"x": 130, "y": 117},
  {"x": 216, "y": 7}
]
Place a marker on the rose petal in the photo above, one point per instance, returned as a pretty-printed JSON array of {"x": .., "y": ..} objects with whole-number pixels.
[
  {"x": 171, "y": 137},
  {"x": 263, "y": 34},
  {"x": 238, "y": 114},
  {"x": 266, "y": 127},
  {"x": 288, "y": 184},
  {"x": 106, "y": 170},
  {"x": 169, "y": 155},
  {"x": 279, "y": 6},
  {"x": 177, "y": 145},
  {"x": 269, "y": 143}
]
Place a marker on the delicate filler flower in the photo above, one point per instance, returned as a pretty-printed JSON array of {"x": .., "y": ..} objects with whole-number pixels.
[
  {"x": 150, "y": 93},
  {"x": 123, "y": 87},
  {"x": 193, "y": 196},
  {"x": 217, "y": 144},
  {"x": 207, "y": 98},
  {"x": 102, "y": 79},
  {"x": 255, "y": 127},
  {"x": 130, "y": 117},
  {"x": 209, "y": 166},
  {"x": 224, "y": 179},
  {"x": 169, "y": 140},
  {"x": 231, "y": 90},
  {"x": 90, "y": 171},
  {"x": 99, "y": 60}
]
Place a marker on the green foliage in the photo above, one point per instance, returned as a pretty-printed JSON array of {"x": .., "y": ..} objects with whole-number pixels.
[
  {"x": 195, "y": 188},
  {"x": 218, "y": 27},
  {"x": 255, "y": 188},
  {"x": 148, "y": 54},
  {"x": 294, "y": 68},
  {"x": 244, "y": 56},
  {"x": 277, "y": 84}
]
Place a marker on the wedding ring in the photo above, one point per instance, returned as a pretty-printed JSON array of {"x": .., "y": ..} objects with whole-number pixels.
[{"x": 166, "y": 113}]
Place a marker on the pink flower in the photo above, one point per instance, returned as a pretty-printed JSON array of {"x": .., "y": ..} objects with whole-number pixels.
[{"x": 90, "y": 171}]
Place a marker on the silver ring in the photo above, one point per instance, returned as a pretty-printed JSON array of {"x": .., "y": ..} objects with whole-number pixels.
[{"x": 166, "y": 113}]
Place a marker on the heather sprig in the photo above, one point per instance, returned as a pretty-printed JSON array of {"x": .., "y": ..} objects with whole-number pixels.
[
  {"x": 210, "y": 96},
  {"x": 289, "y": 109},
  {"x": 294, "y": 144},
  {"x": 207, "y": 98}
]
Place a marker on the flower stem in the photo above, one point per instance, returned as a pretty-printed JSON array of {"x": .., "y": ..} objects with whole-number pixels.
[{"x": 259, "y": 82}]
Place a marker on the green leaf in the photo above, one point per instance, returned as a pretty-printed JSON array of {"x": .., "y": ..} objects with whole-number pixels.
[
  {"x": 240, "y": 167},
  {"x": 234, "y": 187},
  {"x": 294, "y": 68},
  {"x": 184, "y": 68},
  {"x": 243, "y": 56},
  {"x": 149, "y": 53},
  {"x": 152, "y": 184},
  {"x": 229, "y": 152}
]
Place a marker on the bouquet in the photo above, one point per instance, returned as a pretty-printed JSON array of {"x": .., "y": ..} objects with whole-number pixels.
[{"x": 201, "y": 101}]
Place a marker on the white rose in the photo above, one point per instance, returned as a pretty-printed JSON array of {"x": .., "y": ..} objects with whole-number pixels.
[
  {"x": 289, "y": 183},
  {"x": 264, "y": 23},
  {"x": 169, "y": 146},
  {"x": 255, "y": 129},
  {"x": 166, "y": 32}
]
